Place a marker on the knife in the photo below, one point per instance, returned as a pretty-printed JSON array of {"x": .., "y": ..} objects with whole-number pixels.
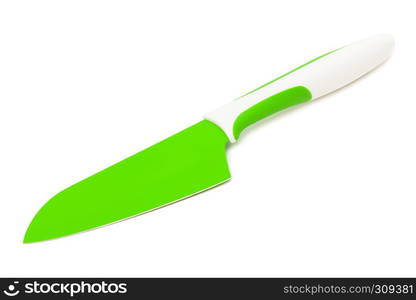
[{"x": 194, "y": 159}]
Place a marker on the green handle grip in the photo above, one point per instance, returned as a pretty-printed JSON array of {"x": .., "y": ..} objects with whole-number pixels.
[{"x": 269, "y": 106}]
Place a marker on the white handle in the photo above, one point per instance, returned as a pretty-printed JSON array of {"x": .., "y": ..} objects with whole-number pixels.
[{"x": 319, "y": 76}]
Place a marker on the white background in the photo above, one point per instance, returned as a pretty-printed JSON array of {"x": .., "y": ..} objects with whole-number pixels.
[{"x": 325, "y": 189}]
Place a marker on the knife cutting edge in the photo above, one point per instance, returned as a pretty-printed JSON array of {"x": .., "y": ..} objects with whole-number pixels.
[{"x": 194, "y": 159}]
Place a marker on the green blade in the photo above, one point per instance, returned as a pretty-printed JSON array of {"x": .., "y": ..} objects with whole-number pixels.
[{"x": 186, "y": 163}]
